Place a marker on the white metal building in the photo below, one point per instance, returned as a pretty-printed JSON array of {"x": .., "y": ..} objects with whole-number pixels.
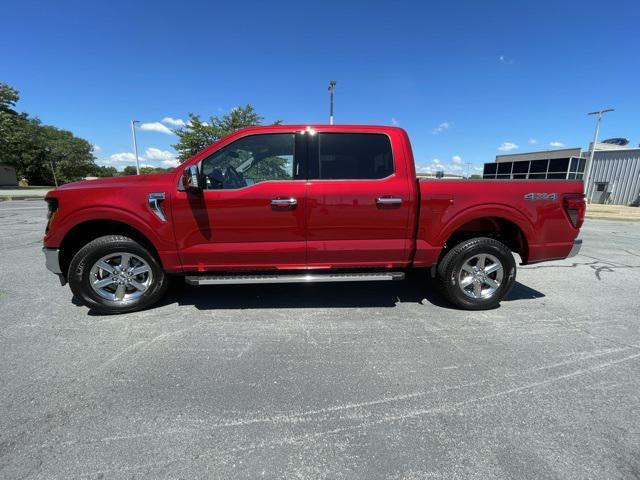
[{"x": 614, "y": 178}]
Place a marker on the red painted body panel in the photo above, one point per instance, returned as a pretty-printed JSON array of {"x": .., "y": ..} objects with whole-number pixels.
[
  {"x": 336, "y": 223},
  {"x": 122, "y": 199},
  {"x": 238, "y": 229},
  {"x": 448, "y": 205},
  {"x": 345, "y": 226}
]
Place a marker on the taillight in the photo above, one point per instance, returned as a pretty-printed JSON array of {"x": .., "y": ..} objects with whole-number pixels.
[
  {"x": 574, "y": 205},
  {"x": 52, "y": 204}
]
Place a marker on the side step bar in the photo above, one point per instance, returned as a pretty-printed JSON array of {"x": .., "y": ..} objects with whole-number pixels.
[{"x": 292, "y": 278}]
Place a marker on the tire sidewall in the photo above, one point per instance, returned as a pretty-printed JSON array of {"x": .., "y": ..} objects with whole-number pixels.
[
  {"x": 452, "y": 270},
  {"x": 80, "y": 271}
]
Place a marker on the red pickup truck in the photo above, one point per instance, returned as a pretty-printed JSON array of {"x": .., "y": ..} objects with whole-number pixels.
[{"x": 281, "y": 204}]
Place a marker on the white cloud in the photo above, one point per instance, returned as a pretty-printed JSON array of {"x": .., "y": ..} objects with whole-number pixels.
[
  {"x": 533, "y": 141},
  {"x": 504, "y": 60},
  {"x": 394, "y": 121},
  {"x": 150, "y": 155},
  {"x": 167, "y": 158},
  {"x": 455, "y": 168},
  {"x": 96, "y": 148},
  {"x": 556, "y": 144},
  {"x": 155, "y": 127},
  {"x": 507, "y": 147},
  {"x": 153, "y": 153},
  {"x": 441, "y": 128},
  {"x": 434, "y": 166},
  {"x": 174, "y": 122},
  {"x": 456, "y": 160},
  {"x": 123, "y": 157}
]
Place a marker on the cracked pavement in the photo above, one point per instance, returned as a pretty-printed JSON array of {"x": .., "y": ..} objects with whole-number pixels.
[{"x": 364, "y": 381}]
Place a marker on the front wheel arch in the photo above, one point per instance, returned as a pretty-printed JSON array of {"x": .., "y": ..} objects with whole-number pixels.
[
  {"x": 85, "y": 232},
  {"x": 82, "y": 279}
]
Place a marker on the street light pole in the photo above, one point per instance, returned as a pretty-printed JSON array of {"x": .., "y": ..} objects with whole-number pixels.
[
  {"x": 468, "y": 164},
  {"x": 332, "y": 87},
  {"x": 135, "y": 144},
  {"x": 53, "y": 167},
  {"x": 587, "y": 169}
]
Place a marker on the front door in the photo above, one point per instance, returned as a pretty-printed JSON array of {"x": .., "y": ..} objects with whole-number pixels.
[
  {"x": 251, "y": 213},
  {"x": 358, "y": 202}
]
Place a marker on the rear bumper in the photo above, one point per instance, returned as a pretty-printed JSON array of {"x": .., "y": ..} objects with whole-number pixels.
[
  {"x": 52, "y": 260},
  {"x": 577, "y": 245}
]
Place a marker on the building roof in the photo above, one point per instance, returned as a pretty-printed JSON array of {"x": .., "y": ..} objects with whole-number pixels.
[{"x": 540, "y": 155}]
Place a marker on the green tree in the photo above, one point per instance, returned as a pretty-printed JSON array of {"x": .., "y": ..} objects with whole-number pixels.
[
  {"x": 8, "y": 98},
  {"x": 31, "y": 148},
  {"x": 104, "y": 171},
  {"x": 197, "y": 134},
  {"x": 129, "y": 170}
]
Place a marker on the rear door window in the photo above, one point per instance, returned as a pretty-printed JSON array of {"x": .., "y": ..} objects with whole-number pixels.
[{"x": 351, "y": 156}]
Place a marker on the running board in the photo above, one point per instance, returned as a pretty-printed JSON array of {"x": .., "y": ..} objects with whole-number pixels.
[{"x": 292, "y": 278}]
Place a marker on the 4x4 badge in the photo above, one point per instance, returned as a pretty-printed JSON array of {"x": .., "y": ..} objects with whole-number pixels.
[{"x": 541, "y": 196}]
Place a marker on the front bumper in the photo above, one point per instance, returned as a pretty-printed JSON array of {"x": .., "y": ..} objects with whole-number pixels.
[
  {"x": 577, "y": 245},
  {"x": 52, "y": 260}
]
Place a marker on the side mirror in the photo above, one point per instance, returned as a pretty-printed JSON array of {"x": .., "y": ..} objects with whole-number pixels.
[{"x": 191, "y": 179}]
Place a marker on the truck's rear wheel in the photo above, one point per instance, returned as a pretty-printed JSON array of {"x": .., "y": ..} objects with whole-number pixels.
[
  {"x": 477, "y": 273},
  {"x": 115, "y": 274}
]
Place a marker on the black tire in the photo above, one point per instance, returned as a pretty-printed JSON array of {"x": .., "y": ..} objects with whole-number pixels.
[
  {"x": 80, "y": 272},
  {"x": 449, "y": 271}
]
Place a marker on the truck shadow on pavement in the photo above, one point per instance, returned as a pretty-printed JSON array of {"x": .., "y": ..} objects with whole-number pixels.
[{"x": 320, "y": 295}]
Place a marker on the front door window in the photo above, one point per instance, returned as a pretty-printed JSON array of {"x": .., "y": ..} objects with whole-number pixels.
[{"x": 250, "y": 160}]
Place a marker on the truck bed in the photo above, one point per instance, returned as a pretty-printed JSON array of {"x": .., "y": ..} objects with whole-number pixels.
[{"x": 534, "y": 207}]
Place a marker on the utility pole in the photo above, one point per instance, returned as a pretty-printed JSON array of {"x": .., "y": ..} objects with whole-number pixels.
[
  {"x": 332, "y": 87},
  {"x": 587, "y": 169},
  {"x": 468, "y": 164},
  {"x": 52, "y": 164},
  {"x": 135, "y": 144}
]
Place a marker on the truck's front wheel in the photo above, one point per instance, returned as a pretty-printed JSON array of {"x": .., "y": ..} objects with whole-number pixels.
[
  {"x": 115, "y": 274},
  {"x": 477, "y": 273}
]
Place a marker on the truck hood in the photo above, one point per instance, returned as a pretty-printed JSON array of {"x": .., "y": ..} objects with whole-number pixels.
[{"x": 160, "y": 179}]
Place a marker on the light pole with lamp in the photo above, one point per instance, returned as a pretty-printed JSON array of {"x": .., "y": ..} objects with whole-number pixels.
[
  {"x": 587, "y": 169},
  {"x": 135, "y": 144},
  {"x": 332, "y": 87},
  {"x": 51, "y": 164}
]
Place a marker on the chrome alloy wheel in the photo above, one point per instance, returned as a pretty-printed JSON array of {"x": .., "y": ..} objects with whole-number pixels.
[
  {"x": 480, "y": 276},
  {"x": 120, "y": 277}
]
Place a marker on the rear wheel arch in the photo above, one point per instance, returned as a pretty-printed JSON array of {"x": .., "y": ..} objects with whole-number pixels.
[
  {"x": 513, "y": 230},
  {"x": 477, "y": 273}
]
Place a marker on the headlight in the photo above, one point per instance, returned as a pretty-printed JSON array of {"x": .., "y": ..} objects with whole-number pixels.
[{"x": 52, "y": 204}]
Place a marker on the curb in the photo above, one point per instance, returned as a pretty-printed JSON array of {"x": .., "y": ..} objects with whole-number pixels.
[
  {"x": 19, "y": 197},
  {"x": 620, "y": 219}
]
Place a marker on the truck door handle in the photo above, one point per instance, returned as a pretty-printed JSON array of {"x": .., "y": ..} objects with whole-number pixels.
[
  {"x": 283, "y": 203},
  {"x": 388, "y": 202}
]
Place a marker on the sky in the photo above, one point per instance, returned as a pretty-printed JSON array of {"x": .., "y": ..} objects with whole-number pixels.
[{"x": 467, "y": 79}]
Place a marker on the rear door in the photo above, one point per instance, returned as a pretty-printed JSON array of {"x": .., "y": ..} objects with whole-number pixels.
[
  {"x": 251, "y": 213},
  {"x": 358, "y": 202}
]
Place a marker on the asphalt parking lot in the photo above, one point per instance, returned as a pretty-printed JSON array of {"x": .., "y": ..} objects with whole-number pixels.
[{"x": 324, "y": 381}]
